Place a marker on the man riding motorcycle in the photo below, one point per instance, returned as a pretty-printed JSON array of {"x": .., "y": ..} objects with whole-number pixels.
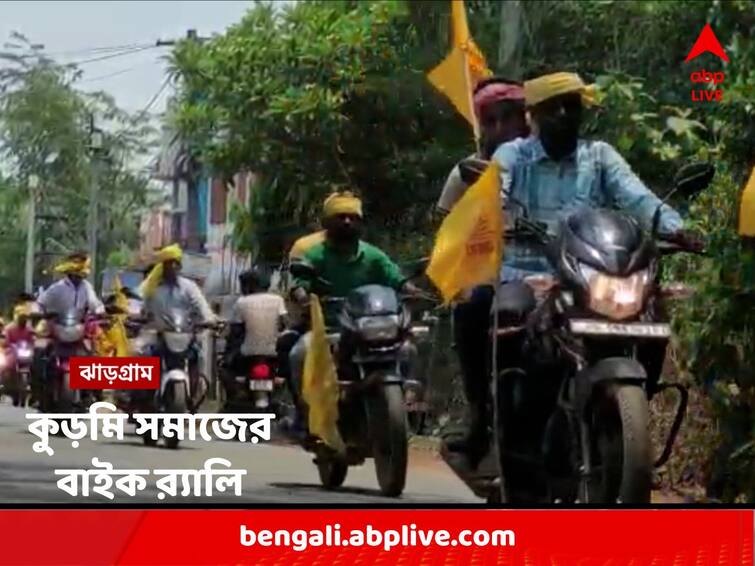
[
  {"x": 73, "y": 291},
  {"x": 18, "y": 335},
  {"x": 70, "y": 294},
  {"x": 258, "y": 317},
  {"x": 165, "y": 290},
  {"x": 554, "y": 172},
  {"x": 499, "y": 107},
  {"x": 342, "y": 262}
]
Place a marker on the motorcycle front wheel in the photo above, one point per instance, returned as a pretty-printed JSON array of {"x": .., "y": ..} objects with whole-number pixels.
[
  {"x": 176, "y": 403},
  {"x": 622, "y": 455},
  {"x": 390, "y": 446},
  {"x": 332, "y": 469}
]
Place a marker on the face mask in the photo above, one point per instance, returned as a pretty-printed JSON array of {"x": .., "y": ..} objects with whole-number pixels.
[
  {"x": 344, "y": 233},
  {"x": 559, "y": 130}
]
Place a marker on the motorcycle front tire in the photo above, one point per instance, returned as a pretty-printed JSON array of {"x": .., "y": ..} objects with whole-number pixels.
[
  {"x": 332, "y": 470},
  {"x": 176, "y": 403},
  {"x": 390, "y": 444},
  {"x": 621, "y": 427}
]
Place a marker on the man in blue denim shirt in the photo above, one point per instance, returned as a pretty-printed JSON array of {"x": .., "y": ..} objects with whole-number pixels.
[{"x": 554, "y": 173}]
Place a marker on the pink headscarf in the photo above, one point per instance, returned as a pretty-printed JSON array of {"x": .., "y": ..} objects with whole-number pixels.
[{"x": 495, "y": 92}]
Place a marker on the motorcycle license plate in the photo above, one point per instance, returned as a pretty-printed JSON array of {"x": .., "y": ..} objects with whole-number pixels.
[
  {"x": 635, "y": 329},
  {"x": 261, "y": 384}
]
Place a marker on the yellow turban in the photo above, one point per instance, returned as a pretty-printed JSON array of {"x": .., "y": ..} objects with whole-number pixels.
[
  {"x": 342, "y": 203},
  {"x": 23, "y": 309},
  {"x": 77, "y": 266},
  {"x": 542, "y": 88},
  {"x": 155, "y": 277}
]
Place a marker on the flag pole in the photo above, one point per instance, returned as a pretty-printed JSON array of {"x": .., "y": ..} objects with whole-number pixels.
[
  {"x": 497, "y": 407},
  {"x": 470, "y": 95}
]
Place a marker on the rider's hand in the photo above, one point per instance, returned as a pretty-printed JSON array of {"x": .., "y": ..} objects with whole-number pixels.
[
  {"x": 687, "y": 239},
  {"x": 410, "y": 288},
  {"x": 301, "y": 297}
]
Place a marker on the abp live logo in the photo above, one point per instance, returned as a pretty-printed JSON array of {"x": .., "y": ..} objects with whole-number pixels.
[{"x": 707, "y": 42}]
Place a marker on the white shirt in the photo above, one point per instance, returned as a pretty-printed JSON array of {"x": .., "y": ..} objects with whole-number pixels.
[
  {"x": 62, "y": 296},
  {"x": 453, "y": 190},
  {"x": 185, "y": 296},
  {"x": 261, "y": 314}
]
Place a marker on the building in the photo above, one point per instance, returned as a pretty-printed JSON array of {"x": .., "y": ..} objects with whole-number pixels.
[{"x": 196, "y": 216}]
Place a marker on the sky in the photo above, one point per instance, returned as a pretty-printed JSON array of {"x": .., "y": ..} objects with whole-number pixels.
[{"x": 78, "y": 30}]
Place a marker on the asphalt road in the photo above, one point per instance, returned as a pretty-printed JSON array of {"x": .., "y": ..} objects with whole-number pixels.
[{"x": 276, "y": 473}]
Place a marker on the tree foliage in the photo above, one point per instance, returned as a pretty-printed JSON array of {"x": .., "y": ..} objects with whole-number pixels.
[{"x": 45, "y": 132}]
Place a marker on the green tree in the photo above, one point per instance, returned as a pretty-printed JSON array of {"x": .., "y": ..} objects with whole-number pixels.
[
  {"x": 44, "y": 131},
  {"x": 317, "y": 95}
]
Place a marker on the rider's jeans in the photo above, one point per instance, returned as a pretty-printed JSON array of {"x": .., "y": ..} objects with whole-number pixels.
[{"x": 296, "y": 359}]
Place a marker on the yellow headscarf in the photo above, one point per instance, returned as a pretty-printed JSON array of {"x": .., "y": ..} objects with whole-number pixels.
[
  {"x": 74, "y": 266},
  {"x": 155, "y": 277},
  {"x": 23, "y": 309},
  {"x": 542, "y": 88},
  {"x": 342, "y": 203}
]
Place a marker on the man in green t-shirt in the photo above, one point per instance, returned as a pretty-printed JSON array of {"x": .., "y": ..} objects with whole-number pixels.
[{"x": 342, "y": 262}]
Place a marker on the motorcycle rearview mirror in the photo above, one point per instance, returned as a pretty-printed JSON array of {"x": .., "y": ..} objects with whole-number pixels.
[
  {"x": 471, "y": 168},
  {"x": 694, "y": 178},
  {"x": 690, "y": 180},
  {"x": 302, "y": 270}
]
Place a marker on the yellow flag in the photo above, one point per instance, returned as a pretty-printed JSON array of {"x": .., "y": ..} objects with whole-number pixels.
[
  {"x": 320, "y": 383},
  {"x": 463, "y": 68},
  {"x": 469, "y": 244},
  {"x": 462, "y": 39},
  {"x": 747, "y": 208},
  {"x": 116, "y": 334}
]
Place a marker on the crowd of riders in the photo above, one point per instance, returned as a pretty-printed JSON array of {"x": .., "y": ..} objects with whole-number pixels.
[{"x": 531, "y": 129}]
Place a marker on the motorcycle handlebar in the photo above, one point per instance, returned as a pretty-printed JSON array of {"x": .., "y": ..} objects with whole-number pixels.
[{"x": 667, "y": 247}]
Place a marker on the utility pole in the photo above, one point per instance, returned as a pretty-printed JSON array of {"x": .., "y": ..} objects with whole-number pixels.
[
  {"x": 191, "y": 35},
  {"x": 95, "y": 148},
  {"x": 33, "y": 182}
]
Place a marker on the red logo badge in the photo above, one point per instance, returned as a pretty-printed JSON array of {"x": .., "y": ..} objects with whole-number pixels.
[
  {"x": 115, "y": 373},
  {"x": 707, "y": 41}
]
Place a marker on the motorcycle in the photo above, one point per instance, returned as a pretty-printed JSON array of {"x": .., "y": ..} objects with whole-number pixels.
[
  {"x": 71, "y": 334},
  {"x": 19, "y": 379},
  {"x": 176, "y": 345},
  {"x": 571, "y": 422},
  {"x": 258, "y": 387},
  {"x": 371, "y": 338}
]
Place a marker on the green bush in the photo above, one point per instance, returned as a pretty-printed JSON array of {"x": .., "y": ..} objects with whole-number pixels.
[{"x": 716, "y": 331}]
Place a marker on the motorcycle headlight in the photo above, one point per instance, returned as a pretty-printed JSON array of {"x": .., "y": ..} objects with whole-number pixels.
[
  {"x": 616, "y": 297},
  {"x": 68, "y": 334},
  {"x": 24, "y": 353},
  {"x": 378, "y": 327},
  {"x": 177, "y": 342}
]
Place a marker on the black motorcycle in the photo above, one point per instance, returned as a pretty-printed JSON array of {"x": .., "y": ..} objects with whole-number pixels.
[
  {"x": 371, "y": 333},
  {"x": 570, "y": 418}
]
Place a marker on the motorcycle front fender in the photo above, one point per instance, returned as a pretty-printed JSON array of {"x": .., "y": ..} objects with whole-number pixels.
[
  {"x": 604, "y": 371},
  {"x": 174, "y": 375}
]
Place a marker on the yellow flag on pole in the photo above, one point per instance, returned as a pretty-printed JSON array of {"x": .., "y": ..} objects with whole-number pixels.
[
  {"x": 457, "y": 75},
  {"x": 320, "y": 383},
  {"x": 747, "y": 208},
  {"x": 116, "y": 334},
  {"x": 469, "y": 243}
]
